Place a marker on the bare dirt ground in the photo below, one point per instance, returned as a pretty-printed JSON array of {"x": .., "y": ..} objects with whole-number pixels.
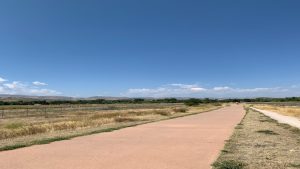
[{"x": 191, "y": 142}]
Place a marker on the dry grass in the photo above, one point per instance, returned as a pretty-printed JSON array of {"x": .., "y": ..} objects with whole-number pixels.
[
  {"x": 259, "y": 142},
  {"x": 180, "y": 109},
  {"x": 285, "y": 110},
  {"x": 28, "y": 129},
  {"x": 16, "y": 128}
]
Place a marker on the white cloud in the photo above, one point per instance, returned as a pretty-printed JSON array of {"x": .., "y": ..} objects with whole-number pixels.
[
  {"x": 187, "y": 87},
  {"x": 183, "y": 85},
  {"x": 170, "y": 90},
  {"x": 255, "y": 90},
  {"x": 197, "y": 89},
  {"x": 37, "y": 83},
  {"x": 223, "y": 88},
  {"x": 21, "y": 88},
  {"x": 192, "y": 90},
  {"x": 14, "y": 85},
  {"x": 2, "y": 80},
  {"x": 44, "y": 92}
]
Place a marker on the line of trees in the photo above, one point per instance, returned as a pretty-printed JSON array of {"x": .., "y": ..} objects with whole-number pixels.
[
  {"x": 191, "y": 102},
  {"x": 94, "y": 101}
]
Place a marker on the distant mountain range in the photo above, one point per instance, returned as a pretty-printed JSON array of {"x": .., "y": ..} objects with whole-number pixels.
[{"x": 7, "y": 97}]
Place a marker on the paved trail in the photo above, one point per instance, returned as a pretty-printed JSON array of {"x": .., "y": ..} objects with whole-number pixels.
[
  {"x": 293, "y": 121},
  {"x": 191, "y": 142}
]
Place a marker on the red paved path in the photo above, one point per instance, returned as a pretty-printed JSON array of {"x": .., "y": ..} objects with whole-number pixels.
[{"x": 191, "y": 142}]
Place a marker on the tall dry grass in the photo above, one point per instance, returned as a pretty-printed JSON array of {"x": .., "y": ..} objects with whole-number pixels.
[
  {"x": 16, "y": 129},
  {"x": 285, "y": 110},
  {"x": 78, "y": 120}
]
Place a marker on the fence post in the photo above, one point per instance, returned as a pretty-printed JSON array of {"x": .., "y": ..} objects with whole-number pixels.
[
  {"x": 45, "y": 112},
  {"x": 27, "y": 112},
  {"x": 2, "y": 114}
]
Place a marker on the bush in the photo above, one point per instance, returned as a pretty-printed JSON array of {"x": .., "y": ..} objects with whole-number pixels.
[
  {"x": 192, "y": 102},
  {"x": 180, "y": 110},
  {"x": 217, "y": 104},
  {"x": 163, "y": 112}
]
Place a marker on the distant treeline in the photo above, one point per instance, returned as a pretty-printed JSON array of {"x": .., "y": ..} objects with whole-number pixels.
[
  {"x": 94, "y": 101},
  {"x": 192, "y": 101}
]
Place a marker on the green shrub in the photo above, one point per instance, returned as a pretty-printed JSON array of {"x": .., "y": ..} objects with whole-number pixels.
[{"x": 192, "y": 102}]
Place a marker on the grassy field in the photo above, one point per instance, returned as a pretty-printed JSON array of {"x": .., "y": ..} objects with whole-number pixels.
[
  {"x": 288, "y": 109},
  {"x": 16, "y": 111},
  {"x": 259, "y": 142},
  {"x": 20, "y": 130}
]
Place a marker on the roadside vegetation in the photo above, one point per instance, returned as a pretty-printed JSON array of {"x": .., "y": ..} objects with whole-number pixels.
[
  {"x": 73, "y": 101},
  {"x": 19, "y": 131},
  {"x": 18, "y": 101},
  {"x": 288, "y": 110},
  {"x": 260, "y": 142}
]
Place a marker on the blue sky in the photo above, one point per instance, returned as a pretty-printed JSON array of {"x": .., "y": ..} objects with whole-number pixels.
[{"x": 154, "y": 48}]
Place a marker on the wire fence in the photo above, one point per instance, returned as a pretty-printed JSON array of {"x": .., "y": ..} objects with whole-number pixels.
[{"x": 279, "y": 103}]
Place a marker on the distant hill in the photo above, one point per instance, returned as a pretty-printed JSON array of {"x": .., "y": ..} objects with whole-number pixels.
[
  {"x": 7, "y": 97},
  {"x": 106, "y": 98}
]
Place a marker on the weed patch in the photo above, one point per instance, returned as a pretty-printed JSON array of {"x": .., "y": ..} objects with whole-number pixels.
[
  {"x": 269, "y": 132},
  {"x": 163, "y": 112},
  {"x": 180, "y": 110},
  {"x": 126, "y": 119},
  {"x": 14, "y": 125},
  {"x": 229, "y": 164},
  {"x": 295, "y": 165}
]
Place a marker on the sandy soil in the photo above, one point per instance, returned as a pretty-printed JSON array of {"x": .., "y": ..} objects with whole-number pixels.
[
  {"x": 293, "y": 121},
  {"x": 191, "y": 142}
]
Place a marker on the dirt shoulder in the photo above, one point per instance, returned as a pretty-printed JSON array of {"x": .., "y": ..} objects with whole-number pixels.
[{"x": 260, "y": 142}]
